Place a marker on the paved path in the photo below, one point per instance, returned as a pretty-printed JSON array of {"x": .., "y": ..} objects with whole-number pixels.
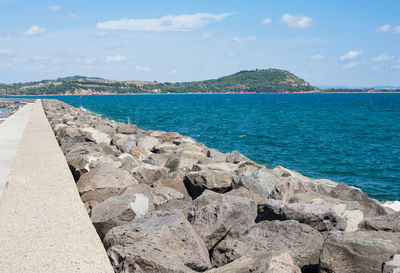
[
  {"x": 11, "y": 131},
  {"x": 44, "y": 226}
]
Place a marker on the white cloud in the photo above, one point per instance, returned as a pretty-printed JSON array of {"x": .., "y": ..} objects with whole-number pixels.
[
  {"x": 231, "y": 54},
  {"x": 396, "y": 66},
  {"x": 206, "y": 36},
  {"x": 382, "y": 58},
  {"x": 184, "y": 22},
  {"x": 350, "y": 65},
  {"x": 350, "y": 55},
  {"x": 296, "y": 21},
  {"x": 266, "y": 21},
  {"x": 53, "y": 8},
  {"x": 317, "y": 57},
  {"x": 244, "y": 39},
  {"x": 115, "y": 59},
  {"x": 396, "y": 30},
  {"x": 384, "y": 28},
  {"x": 73, "y": 16},
  {"x": 141, "y": 68},
  {"x": 35, "y": 30},
  {"x": 172, "y": 72},
  {"x": 4, "y": 51},
  {"x": 377, "y": 66},
  {"x": 86, "y": 60}
]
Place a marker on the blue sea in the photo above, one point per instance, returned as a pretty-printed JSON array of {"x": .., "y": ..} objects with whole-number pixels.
[{"x": 351, "y": 138}]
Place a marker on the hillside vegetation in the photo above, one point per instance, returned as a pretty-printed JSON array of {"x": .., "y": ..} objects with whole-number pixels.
[{"x": 257, "y": 81}]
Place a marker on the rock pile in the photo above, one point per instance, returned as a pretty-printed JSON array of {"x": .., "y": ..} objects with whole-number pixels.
[{"x": 163, "y": 202}]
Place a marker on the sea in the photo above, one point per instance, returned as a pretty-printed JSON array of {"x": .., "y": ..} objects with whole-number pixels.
[{"x": 346, "y": 137}]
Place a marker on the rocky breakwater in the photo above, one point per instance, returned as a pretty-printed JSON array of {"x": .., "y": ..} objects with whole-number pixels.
[{"x": 163, "y": 202}]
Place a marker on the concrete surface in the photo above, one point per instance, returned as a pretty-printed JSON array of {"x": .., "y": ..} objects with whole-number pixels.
[
  {"x": 11, "y": 131},
  {"x": 44, "y": 226}
]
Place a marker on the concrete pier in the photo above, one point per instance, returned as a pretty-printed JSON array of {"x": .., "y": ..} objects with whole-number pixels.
[{"x": 44, "y": 226}]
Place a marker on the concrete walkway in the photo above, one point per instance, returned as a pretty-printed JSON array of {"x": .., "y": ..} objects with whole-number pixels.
[
  {"x": 44, "y": 226},
  {"x": 11, "y": 131}
]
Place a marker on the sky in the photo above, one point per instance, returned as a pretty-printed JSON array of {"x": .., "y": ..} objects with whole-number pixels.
[{"x": 327, "y": 43}]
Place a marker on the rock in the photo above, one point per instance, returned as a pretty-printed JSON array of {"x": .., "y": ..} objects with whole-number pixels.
[
  {"x": 119, "y": 210},
  {"x": 349, "y": 211},
  {"x": 162, "y": 241},
  {"x": 106, "y": 127},
  {"x": 166, "y": 147},
  {"x": 357, "y": 252},
  {"x": 139, "y": 153},
  {"x": 148, "y": 142},
  {"x": 219, "y": 181},
  {"x": 127, "y": 129},
  {"x": 183, "y": 206},
  {"x": 96, "y": 136},
  {"x": 262, "y": 181},
  {"x": 283, "y": 172},
  {"x": 92, "y": 198},
  {"x": 369, "y": 206},
  {"x": 148, "y": 174},
  {"x": 215, "y": 155},
  {"x": 174, "y": 180},
  {"x": 163, "y": 194},
  {"x": 303, "y": 242},
  {"x": 184, "y": 160},
  {"x": 317, "y": 216},
  {"x": 243, "y": 192},
  {"x": 170, "y": 136},
  {"x": 394, "y": 205},
  {"x": 234, "y": 157},
  {"x": 104, "y": 176},
  {"x": 159, "y": 159},
  {"x": 392, "y": 265},
  {"x": 271, "y": 261},
  {"x": 124, "y": 142},
  {"x": 128, "y": 162},
  {"x": 184, "y": 140},
  {"x": 215, "y": 215},
  {"x": 219, "y": 166},
  {"x": 389, "y": 222}
]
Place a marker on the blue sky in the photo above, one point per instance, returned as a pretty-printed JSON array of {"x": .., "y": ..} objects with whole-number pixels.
[{"x": 336, "y": 43}]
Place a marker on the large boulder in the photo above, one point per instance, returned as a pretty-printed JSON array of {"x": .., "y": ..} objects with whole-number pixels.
[
  {"x": 119, "y": 210},
  {"x": 104, "y": 176},
  {"x": 127, "y": 129},
  {"x": 164, "y": 194},
  {"x": 369, "y": 206},
  {"x": 217, "y": 215},
  {"x": 94, "y": 197},
  {"x": 96, "y": 135},
  {"x": 317, "y": 216},
  {"x": 162, "y": 241},
  {"x": 148, "y": 142},
  {"x": 357, "y": 252},
  {"x": 148, "y": 174},
  {"x": 390, "y": 222},
  {"x": 139, "y": 153},
  {"x": 261, "y": 181},
  {"x": 174, "y": 180},
  {"x": 124, "y": 142},
  {"x": 392, "y": 265},
  {"x": 184, "y": 160},
  {"x": 303, "y": 242},
  {"x": 271, "y": 261}
]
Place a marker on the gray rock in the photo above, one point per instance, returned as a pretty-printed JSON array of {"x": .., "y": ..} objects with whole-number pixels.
[
  {"x": 148, "y": 142},
  {"x": 124, "y": 142},
  {"x": 161, "y": 240},
  {"x": 271, "y": 261},
  {"x": 357, "y": 252},
  {"x": 234, "y": 157},
  {"x": 127, "y": 129},
  {"x": 183, "y": 206},
  {"x": 148, "y": 174},
  {"x": 303, "y": 242},
  {"x": 389, "y": 222},
  {"x": 163, "y": 194},
  {"x": 166, "y": 147},
  {"x": 119, "y": 210},
  {"x": 184, "y": 160},
  {"x": 104, "y": 176},
  {"x": 170, "y": 136},
  {"x": 262, "y": 181},
  {"x": 392, "y": 265},
  {"x": 96, "y": 135},
  {"x": 139, "y": 153},
  {"x": 94, "y": 197},
  {"x": 317, "y": 216},
  {"x": 174, "y": 180}
]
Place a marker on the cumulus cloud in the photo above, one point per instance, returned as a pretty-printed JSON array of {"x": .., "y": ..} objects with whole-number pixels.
[
  {"x": 266, "y": 21},
  {"x": 141, "y": 68},
  {"x": 296, "y": 21},
  {"x": 35, "y": 30},
  {"x": 184, "y": 22},
  {"x": 350, "y": 55},
  {"x": 382, "y": 58},
  {"x": 53, "y": 8},
  {"x": 317, "y": 57},
  {"x": 384, "y": 28},
  {"x": 350, "y": 65},
  {"x": 396, "y": 30},
  {"x": 244, "y": 39},
  {"x": 4, "y": 51},
  {"x": 115, "y": 59},
  {"x": 205, "y": 36}
]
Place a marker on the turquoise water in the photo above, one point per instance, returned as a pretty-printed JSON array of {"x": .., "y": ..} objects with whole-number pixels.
[{"x": 351, "y": 138}]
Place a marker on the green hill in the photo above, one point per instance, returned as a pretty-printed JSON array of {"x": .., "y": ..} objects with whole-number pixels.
[{"x": 257, "y": 81}]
